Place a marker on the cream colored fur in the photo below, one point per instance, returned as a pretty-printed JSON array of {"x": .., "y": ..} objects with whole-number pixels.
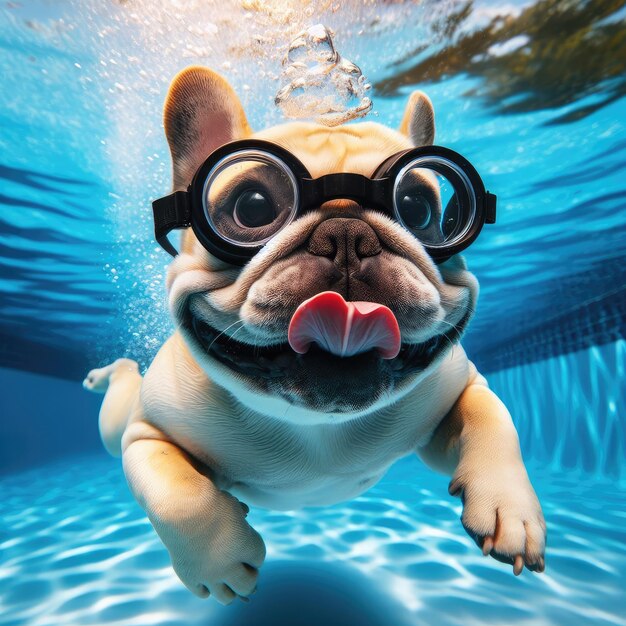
[{"x": 196, "y": 437}]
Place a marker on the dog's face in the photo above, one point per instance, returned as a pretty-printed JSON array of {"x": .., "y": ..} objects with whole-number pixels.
[{"x": 235, "y": 320}]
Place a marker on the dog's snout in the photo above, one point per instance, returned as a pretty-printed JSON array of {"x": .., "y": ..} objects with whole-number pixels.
[{"x": 346, "y": 241}]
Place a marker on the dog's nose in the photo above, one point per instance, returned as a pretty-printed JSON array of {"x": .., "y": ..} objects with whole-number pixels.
[{"x": 346, "y": 241}]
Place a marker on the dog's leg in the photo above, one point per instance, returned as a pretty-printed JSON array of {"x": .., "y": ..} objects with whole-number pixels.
[
  {"x": 120, "y": 382},
  {"x": 213, "y": 549},
  {"x": 477, "y": 443}
]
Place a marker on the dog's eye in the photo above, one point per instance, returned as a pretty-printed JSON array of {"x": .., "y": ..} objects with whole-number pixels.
[
  {"x": 415, "y": 211},
  {"x": 249, "y": 196},
  {"x": 253, "y": 209}
]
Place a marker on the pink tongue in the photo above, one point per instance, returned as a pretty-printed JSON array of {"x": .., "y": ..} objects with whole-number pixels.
[{"x": 344, "y": 328}]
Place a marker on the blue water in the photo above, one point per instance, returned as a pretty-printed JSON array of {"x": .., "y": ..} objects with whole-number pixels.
[
  {"x": 83, "y": 553},
  {"x": 535, "y": 101}
]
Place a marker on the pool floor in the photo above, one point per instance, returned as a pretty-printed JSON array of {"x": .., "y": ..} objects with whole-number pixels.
[{"x": 75, "y": 549}]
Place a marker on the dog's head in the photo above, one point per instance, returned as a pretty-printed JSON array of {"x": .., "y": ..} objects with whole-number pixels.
[{"x": 235, "y": 320}]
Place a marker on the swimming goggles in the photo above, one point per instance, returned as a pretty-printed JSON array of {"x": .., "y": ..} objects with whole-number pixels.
[{"x": 247, "y": 191}]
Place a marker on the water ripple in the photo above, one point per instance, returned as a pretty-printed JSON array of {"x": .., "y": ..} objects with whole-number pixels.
[{"x": 84, "y": 553}]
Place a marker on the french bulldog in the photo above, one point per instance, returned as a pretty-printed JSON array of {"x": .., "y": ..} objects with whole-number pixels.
[{"x": 229, "y": 413}]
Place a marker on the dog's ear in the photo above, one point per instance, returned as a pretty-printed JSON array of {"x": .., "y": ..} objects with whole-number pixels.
[
  {"x": 202, "y": 112},
  {"x": 418, "y": 122}
]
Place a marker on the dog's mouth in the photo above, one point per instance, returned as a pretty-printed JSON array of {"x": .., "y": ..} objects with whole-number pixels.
[{"x": 276, "y": 361}]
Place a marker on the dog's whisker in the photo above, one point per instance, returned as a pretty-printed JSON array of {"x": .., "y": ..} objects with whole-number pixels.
[
  {"x": 256, "y": 336},
  {"x": 446, "y": 300},
  {"x": 233, "y": 335},
  {"x": 224, "y": 331},
  {"x": 454, "y": 327}
]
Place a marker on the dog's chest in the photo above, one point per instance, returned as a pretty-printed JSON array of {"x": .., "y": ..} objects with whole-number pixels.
[
  {"x": 242, "y": 444},
  {"x": 283, "y": 466},
  {"x": 280, "y": 465}
]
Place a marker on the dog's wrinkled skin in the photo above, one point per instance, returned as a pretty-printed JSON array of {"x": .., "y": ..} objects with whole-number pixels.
[{"x": 196, "y": 435}]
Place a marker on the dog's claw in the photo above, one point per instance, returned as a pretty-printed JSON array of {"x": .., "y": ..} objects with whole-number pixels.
[
  {"x": 487, "y": 545},
  {"x": 518, "y": 565}
]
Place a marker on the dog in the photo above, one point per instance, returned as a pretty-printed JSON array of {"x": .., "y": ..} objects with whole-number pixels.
[{"x": 203, "y": 433}]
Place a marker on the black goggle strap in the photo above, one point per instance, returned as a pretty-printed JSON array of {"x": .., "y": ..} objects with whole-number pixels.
[
  {"x": 490, "y": 208},
  {"x": 170, "y": 212},
  {"x": 344, "y": 186}
]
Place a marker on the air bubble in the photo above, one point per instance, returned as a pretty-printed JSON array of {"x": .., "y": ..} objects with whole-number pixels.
[{"x": 317, "y": 83}]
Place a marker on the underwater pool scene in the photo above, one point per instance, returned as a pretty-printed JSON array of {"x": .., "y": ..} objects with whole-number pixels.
[{"x": 532, "y": 92}]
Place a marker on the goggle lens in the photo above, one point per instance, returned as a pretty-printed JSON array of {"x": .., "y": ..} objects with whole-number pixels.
[
  {"x": 434, "y": 200},
  {"x": 249, "y": 196}
]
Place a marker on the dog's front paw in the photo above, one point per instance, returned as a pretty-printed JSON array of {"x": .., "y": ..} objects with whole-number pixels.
[
  {"x": 220, "y": 555},
  {"x": 502, "y": 514}
]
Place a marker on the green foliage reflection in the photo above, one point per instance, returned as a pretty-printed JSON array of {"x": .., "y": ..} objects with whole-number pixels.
[{"x": 566, "y": 50}]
